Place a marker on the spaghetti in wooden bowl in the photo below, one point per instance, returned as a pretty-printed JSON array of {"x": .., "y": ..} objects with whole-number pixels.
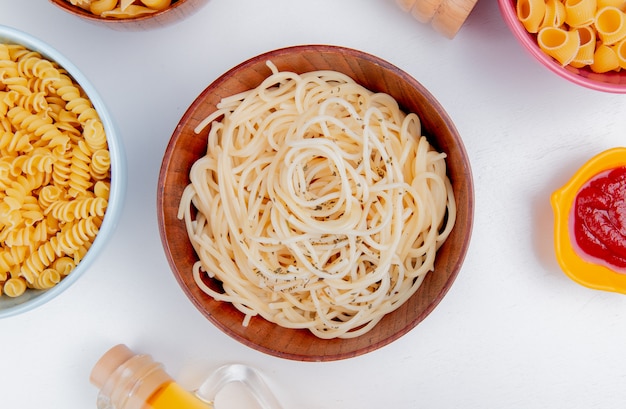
[
  {"x": 176, "y": 11},
  {"x": 186, "y": 147}
]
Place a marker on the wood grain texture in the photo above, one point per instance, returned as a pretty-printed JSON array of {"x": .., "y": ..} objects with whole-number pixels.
[
  {"x": 176, "y": 12},
  {"x": 185, "y": 147}
]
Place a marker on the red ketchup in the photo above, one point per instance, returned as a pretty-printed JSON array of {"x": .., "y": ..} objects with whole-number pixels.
[{"x": 599, "y": 219}]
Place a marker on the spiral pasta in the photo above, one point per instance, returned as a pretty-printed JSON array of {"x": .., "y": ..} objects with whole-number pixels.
[
  {"x": 54, "y": 172},
  {"x": 580, "y": 33},
  {"x": 319, "y": 204}
]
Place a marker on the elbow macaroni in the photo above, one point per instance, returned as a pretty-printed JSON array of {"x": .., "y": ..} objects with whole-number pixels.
[
  {"x": 54, "y": 172},
  {"x": 579, "y": 33}
]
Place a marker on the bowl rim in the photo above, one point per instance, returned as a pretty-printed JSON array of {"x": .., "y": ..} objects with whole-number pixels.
[
  {"x": 507, "y": 9},
  {"x": 467, "y": 224},
  {"x": 118, "y": 170}
]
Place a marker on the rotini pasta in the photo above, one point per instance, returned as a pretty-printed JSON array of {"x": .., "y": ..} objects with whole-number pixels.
[
  {"x": 596, "y": 28},
  {"x": 54, "y": 172},
  {"x": 82, "y": 208}
]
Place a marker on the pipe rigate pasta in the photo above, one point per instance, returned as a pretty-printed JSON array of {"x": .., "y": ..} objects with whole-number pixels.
[
  {"x": 54, "y": 172},
  {"x": 554, "y": 15},
  {"x": 620, "y": 52},
  {"x": 596, "y": 23},
  {"x": 611, "y": 25},
  {"x": 605, "y": 59},
  {"x": 562, "y": 45},
  {"x": 585, "y": 54},
  {"x": 530, "y": 13},
  {"x": 580, "y": 13},
  {"x": 620, "y": 4}
]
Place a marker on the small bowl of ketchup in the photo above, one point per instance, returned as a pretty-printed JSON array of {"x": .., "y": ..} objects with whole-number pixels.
[{"x": 590, "y": 223}]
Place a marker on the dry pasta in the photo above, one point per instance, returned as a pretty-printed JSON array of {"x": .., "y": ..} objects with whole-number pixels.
[
  {"x": 554, "y": 15},
  {"x": 54, "y": 172},
  {"x": 586, "y": 51},
  {"x": 579, "y": 13},
  {"x": 122, "y": 8},
  {"x": 620, "y": 52},
  {"x": 531, "y": 13},
  {"x": 320, "y": 205},
  {"x": 611, "y": 25},
  {"x": 596, "y": 28},
  {"x": 605, "y": 59},
  {"x": 562, "y": 45}
]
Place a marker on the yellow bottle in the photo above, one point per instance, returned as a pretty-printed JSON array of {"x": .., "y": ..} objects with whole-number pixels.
[{"x": 130, "y": 381}]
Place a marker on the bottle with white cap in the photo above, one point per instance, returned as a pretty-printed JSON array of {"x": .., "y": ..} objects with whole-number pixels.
[{"x": 130, "y": 381}]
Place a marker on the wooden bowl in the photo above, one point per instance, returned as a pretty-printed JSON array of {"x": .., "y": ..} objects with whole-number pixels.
[
  {"x": 177, "y": 11},
  {"x": 185, "y": 147}
]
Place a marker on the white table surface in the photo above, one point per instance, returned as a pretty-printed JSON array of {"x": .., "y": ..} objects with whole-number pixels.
[{"x": 513, "y": 331}]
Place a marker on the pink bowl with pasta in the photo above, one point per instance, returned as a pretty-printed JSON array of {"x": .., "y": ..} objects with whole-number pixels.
[
  {"x": 140, "y": 15},
  {"x": 613, "y": 81}
]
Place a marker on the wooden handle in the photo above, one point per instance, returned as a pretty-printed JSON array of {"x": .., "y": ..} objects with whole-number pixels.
[
  {"x": 446, "y": 16},
  {"x": 405, "y": 5},
  {"x": 424, "y": 10},
  {"x": 451, "y": 15}
]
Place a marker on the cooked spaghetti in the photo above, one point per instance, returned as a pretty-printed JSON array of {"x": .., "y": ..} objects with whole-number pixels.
[{"x": 319, "y": 204}]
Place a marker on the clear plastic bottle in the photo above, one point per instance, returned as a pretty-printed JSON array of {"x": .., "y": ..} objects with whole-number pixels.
[{"x": 130, "y": 381}]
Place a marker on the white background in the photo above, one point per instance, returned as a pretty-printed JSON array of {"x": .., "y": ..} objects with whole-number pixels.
[{"x": 513, "y": 332}]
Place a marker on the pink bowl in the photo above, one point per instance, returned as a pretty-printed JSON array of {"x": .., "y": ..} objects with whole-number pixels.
[{"x": 608, "y": 82}]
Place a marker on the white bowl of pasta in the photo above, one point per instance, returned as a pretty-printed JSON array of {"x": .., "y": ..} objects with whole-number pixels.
[
  {"x": 130, "y": 15},
  {"x": 589, "y": 51},
  {"x": 63, "y": 173},
  {"x": 330, "y": 221}
]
